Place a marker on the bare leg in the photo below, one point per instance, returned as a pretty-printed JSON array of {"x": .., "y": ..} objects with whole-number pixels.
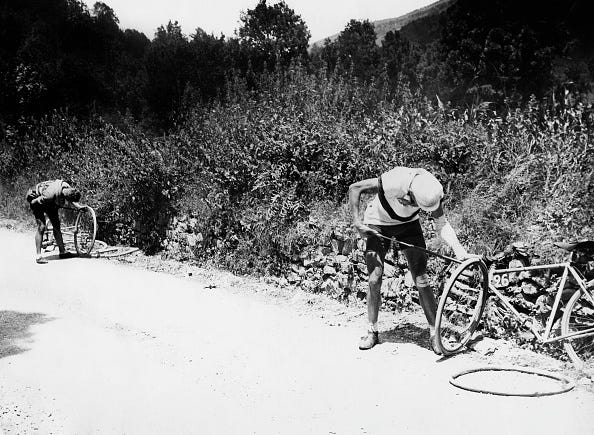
[
  {"x": 59, "y": 240},
  {"x": 39, "y": 236},
  {"x": 417, "y": 263},
  {"x": 375, "y": 269},
  {"x": 55, "y": 220},
  {"x": 428, "y": 302}
]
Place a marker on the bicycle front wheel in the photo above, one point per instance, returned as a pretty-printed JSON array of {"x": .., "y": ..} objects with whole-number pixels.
[
  {"x": 85, "y": 230},
  {"x": 461, "y": 305},
  {"x": 578, "y": 317}
]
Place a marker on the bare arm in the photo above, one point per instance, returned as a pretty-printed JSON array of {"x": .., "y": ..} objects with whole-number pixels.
[
  {"x": 355, "y": 191},
  {"x": 447, "y": 233},
  {"x": 39, "y": 200}
]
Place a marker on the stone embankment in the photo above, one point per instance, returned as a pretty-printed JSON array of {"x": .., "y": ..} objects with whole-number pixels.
[{"x": 337, "y": 269}]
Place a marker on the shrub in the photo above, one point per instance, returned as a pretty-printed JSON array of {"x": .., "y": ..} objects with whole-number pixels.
[{"x": 252, "y": 167}]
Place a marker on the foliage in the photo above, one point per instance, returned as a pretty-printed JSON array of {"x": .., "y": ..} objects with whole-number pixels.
[
  {"x": 58, "y": 54},
  {"x": 260, "y": 158},
  {"x": 271, "y": 156},
  {"x": 168, "y": 72},
  {"x": 274, "y": 33},
  {"x": 503, "y": 51},
  {"x": 253, "y": 166},
  {"x": 129, "y": 179},
  {"x": 354, "y": 48}
]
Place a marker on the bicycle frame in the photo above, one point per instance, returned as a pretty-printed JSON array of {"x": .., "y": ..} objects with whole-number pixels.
[{"x": 568, "y": 268}]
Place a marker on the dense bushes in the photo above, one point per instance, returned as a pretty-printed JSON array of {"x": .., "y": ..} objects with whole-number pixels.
[
  {"x": 301, "y": 140},
  {"x": 120, "y": 171},
  {"x": 252, "y": 169}
]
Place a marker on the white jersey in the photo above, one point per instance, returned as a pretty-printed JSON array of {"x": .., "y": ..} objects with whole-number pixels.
[{"x": 393, "y": 184}]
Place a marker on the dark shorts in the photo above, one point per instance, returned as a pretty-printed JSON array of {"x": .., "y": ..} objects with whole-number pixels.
[
  {"x": 40, "y": 211},
  {"x": 411, "y": 233}
]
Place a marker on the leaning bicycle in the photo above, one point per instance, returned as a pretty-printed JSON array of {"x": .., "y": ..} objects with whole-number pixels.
[
  {"x": 469, "y": 286},
  {"x": 79, "y": 230}
]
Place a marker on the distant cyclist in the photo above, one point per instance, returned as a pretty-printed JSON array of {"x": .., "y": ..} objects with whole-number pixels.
[
  {"x": 394, "y": 213},
  {"x": 45, "y": 199}
]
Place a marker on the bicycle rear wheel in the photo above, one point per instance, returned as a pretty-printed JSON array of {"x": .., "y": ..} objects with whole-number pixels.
[
  {"x": 85, "y": 230},
  {"x": 578, "y": 316},
  {"x": 461, "y": 305}
]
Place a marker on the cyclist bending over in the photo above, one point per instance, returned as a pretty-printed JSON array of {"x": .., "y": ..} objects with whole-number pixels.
[
  {"x": 400, "y": 194},
  {"x": 45, "y": 199}
]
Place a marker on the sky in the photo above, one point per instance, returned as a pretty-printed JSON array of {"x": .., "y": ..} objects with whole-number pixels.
[{"x": 323, "y": 17}]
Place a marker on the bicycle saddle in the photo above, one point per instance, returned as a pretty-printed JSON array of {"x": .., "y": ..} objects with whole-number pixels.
[{"x": 584, "y": 246}]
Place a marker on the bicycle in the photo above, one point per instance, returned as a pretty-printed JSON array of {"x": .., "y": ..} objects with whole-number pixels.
[
  {"x": 81, "y": 233},
  {"x": 469, "y": 286}
]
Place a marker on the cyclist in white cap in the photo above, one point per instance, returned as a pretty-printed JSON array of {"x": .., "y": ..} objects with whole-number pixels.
[{"x": 394, "y": 213}]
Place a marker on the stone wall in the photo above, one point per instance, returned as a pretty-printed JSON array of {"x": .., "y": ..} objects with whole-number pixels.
[{"x": 337, "y": 269}]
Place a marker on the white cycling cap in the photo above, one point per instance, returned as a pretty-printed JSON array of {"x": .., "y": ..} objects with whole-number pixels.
[{"x": 427, "y": 190}]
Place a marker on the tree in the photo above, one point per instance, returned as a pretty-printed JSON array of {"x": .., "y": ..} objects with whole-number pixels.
[
  {"x": 356, "y": 48},
  {"x": 167, "y": 66},
  {"x": 106, "y": 17},
  {"x": 211, "y": 63},
  {"x": 131, "y": 75},
  {"x": 399, "y": 58},
  {"x": 273, "y": 34}
]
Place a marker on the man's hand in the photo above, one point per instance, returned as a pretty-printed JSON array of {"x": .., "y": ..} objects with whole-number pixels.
[
  {"x": 364, "y": 230},
  {"x": 463, "y": 255}
]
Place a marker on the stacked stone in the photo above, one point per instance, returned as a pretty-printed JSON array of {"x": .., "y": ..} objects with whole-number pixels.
[
  {"x": 183, "y": 238},
  {"x": 532, "y": 293},
  {"x": 339, "y": 270},
  {"x": 336, "y": 269}
]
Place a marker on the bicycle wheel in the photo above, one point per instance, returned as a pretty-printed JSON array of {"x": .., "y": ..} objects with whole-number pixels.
[
  {"x": 461, "y": 305},
  {"x": 578, "y": 316},
  {"x": 85, "y": 230}
]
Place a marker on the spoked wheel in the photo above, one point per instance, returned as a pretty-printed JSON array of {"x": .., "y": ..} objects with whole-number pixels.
[
  {"x": 578, "y": 316},
  {"x": 461, "y": 305},
  {"x": 85, "y": 230}
]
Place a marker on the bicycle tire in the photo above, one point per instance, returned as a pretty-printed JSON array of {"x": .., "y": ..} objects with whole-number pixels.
[
  {"x": 116, "y": 251},
  {"x": 566, "y": 384},
  {"x": 85, "y": 230},
  {"x": 461, "y": 305},
  {"x": 99, "y": 245},
  {"x": 578, "y": 316}
]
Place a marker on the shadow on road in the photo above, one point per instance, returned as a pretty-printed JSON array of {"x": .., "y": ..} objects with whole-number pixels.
[
  {"x": 14, "y": 330},
  {"x": 56, "y": 257},
  {"x": 411, "y": 333},
  {"x": 407, "y": 333}
]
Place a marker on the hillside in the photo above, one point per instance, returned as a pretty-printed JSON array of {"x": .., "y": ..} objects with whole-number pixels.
[{"x": 382, "y": 27}]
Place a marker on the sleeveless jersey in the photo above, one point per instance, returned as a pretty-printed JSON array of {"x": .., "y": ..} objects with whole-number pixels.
[{"x": 385, "y": 209}]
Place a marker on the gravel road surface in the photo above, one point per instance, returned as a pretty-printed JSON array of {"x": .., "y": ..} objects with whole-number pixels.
[{"x": 90, "y": 346}]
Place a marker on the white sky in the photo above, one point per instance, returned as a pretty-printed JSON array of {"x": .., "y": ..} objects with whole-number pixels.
[{"x": 323, "y": 17}]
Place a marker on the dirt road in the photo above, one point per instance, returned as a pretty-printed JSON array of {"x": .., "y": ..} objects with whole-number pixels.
[{"x": 90, "y": 346}]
